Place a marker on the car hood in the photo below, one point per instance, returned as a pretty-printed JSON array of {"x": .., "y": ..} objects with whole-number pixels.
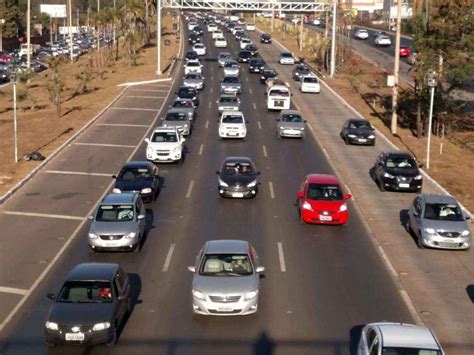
[
  {"x": 361, "y": 132},
  {"x": 403, "y": 172},
  {"x": 81, "y": 313},
  {"x": 330, "y": 206},
  {"x": 291, "y": 124},
  {"x": 193, "y": 81},
  {"x": 242, "y": 180},
  {"x": 448, "y": 226},
  {"x": 175, "y": 123},
  {"x": 98, "y": 227},
  {"x": 225, "y": 284},
  {"x": 230, "y": 84},
  {"x": 133, "y": 185}
]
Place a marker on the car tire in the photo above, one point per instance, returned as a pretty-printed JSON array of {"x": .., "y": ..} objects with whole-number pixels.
[
  {"x": 136, "y": 248},
  {"x": 381, "y": 186},
  {"x": 419, "y": 242}
]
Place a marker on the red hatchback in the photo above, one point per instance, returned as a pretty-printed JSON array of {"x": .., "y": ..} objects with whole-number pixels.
[
  {"x": 321, "y": 200},
  {"x": 404, "y": 51}
]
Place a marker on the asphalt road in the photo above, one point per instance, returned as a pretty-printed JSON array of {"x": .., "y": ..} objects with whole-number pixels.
[{"x": 321, "y": 282}]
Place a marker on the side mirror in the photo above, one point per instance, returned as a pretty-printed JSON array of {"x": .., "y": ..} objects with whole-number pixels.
[
  {"x": 114, "y": 176},
  {"x": 217, "y": 172},
  {"x": 91, "y": 218},
  {"x": 348, "y": 196},
  {"x": 260, "y": 269},
  {"x": 147, "y": 140},
  {"x": 278, "y": 120},
  {"x": 140, "y": 217},
  {"x": 192, "y": 268},
  {"x": 121, "y": 297},
  {"x": 299, "y": 194},
  {"x": 51, "y": 296}
]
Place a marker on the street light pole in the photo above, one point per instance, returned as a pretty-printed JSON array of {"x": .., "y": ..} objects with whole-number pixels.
[
  {"x": 158, "y": 37},
  {"x": 431, "y": 80},
  {"x": 396, "y": 70},
  {"x": 15, "y": 137},
  {"x": 71, "y": 54},
  {"x": 2, "y": 22},
  {"x": 333, "y": 40},
  {"x": 28, "y": 34}
]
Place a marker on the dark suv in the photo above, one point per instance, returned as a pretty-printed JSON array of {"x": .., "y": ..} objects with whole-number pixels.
[
  {"x": 90, "y": 307},
  {"x": 397, "y": 171},
  {"x": 238, "y": 178},
  {"x": 299, "y": 71}
]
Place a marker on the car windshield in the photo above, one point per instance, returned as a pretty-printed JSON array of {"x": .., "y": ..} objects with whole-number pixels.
[
  {"x": 269, "y": 73},
  {"x": 244, "y": 54},
  {"x": 231, "y": 80},
  {"x": 237, "y": 168},
  {"x": 286, "y": 55},
  {"x": 224, "y": 56},
  {"x": 279, "y": 92},
  {"x": 115, "y": 213},
  {"x": 310, "y": 79},
  {"x": 232, "y": 119},
  {"x": 164, "y": 137},
  {"x": 193, "y": 64},
  {"x": 230, "y": 64},
  {"x": 131, "y": 174},
  {"x": 293, "y": 118},
  {"x": 183, "y": 104},
  {"x": 443, "y": 212},
  {"x": 176, "y": 116},
  {"x": 324, "y": 192},
  {"x": 408, "y": 351},
  {"x": 400, "y": 162},
  {"x": 228, "y": 99},
  {"x": 360, "y": 125},
  {"x": 86, "y": 292},
  {"x": 187, "y": 92},
  {"x": 226, "y": 265}
]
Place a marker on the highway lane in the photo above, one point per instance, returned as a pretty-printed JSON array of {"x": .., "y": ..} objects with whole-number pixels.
[{"x": 333, "y": 280}]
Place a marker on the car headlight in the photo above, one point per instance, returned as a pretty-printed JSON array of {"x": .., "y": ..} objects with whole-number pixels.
[
  {"x": 465, "y": 233},
  {"x": 351, "y": 135},
  {"x": 131, "y": 235},
  {"x": 93, "y": 236},
  {"x": 194, "y": 98},
  {"x": 101, "y": 326},
  {"x": 387, "y": 175},
  {"x": 199, "y": 294},
  {"x": 177, "y": 149},
  {"x": 51, "y": 325},
  {"x": 343, "y": 207},
  {"x": 146, "y": 190},
  {"x": 165, "y": 125},
  {"x": 251, "y": 294},
  {"x": 419, "y": 177},
  {"x": 307, "y": 206},
  {"x": 371, "y": 136},
  {"x": 430, "y": 230},
  {"x": 190, "y": 114},
  {"x": 302, "y": 129},
  {"x": 116, "y": 191},
  {"x": 252, "y": 184},
  {"x": 223, "y": 183}
]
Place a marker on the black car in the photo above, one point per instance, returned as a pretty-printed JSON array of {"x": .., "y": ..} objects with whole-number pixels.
[
  {"x": 252, "y": 48},
  {"x": 90, "y": 307},
  {"x": 4, "y": 75},
  {"x": 267, "y": 73},
  {"x": 198, "y": 30},
  {"x": 244, "y": 56},
  {"x": 239, "y": 35},
  {"x": 358, "y": 131},
  {"x": 265, "y": 38},
  {"x": 138, "y": 176},
  {"x": 191, "y": 55},
  {"x": 185, "y": 92},
  {"x": 194, "y": 38},
  {"x": 299, "y": 71},
  {"x": 238, "y": 178},
  {"x": 397, "y": 171},
  {"x": 256, "y": 65}
]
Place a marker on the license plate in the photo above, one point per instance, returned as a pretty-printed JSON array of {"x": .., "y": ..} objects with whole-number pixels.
[
  {"x": 279, "y": 103},
  {"x": 224, "y": 309},
  {"x": 325, "y": 218},
  {"x": 362, "y": 140},
  {"x": 74, "y": 336},
  {"x": 237, "y": 194},
  {"x": 404, "y": 185},
  {"x": 231, "y": 133}
]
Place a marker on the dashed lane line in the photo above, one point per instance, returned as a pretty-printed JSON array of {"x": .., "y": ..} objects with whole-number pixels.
[
  {"x": 84, "y": 173},
  {"x": 259, "y": 125},
  {"x": 281, "y": 257},
  {"x": 207, "y": 124},
  {"x": 190, "y": 189},
  {"x": 272, "y": 193},
  {"x": 264, "y": 151},
  {"x": 250, "y": 91},
  {"x": 105, "y": 145},
  {"x": 44, "y": 215},
  {"x": 147, "y": 90},
  {"x": 168, "y": 257},
  {"x": 201, "y": 148},
  {"x": 254, "y": 106}
]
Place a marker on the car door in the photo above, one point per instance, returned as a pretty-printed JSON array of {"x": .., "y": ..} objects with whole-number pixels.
[
  {"x": 379, "y": 165},
  {"x": 122, "y": 293},
  {"x": 416, "y": 214},
  {"x": 140, "y": 210}
]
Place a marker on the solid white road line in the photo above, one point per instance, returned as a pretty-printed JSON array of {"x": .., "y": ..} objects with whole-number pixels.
[
  {"x": 106, "y": 145},
  {"x": 122, "y": 125},
  {"x": 212, "y": 77},
  {"x": 142, "y": 97},
  {"x": 135, "y": 109},
  {"x": 16, "y": 291},
  {"x": 190, "y": 189},
  {"x": 281, "y": 256},
  {"x": 201, "y": 148},
  {"x": 148, "y": 90},
  {"x": 168, "y": 257},
  {"x": 45, "y": 215},
  {"x": 310, "y": 127},
  {"x": 209, "y": 104},
  {"x": 259, "y": 125},
  {"x": 250, "y": 91},
  {"x": 212, "y": 89},
  {"x": 254, "y": 106},
  {"x": 76, "y": 173},
  {"x": 207, "y": 124},
  {"x": 272, "y": 193},
  {"x": 264, "y": 151}
]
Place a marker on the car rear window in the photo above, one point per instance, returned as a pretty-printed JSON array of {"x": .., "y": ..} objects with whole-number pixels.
[{"x": 324, "y": 192}]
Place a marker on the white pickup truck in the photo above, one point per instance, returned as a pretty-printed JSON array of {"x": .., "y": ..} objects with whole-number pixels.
[{"x": 165, "y": 145}]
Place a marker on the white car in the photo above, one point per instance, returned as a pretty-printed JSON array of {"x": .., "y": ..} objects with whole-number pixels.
[
  {"x": 310, "y": 83},
  {"x": 200, "y": 49},
  {"x": 361, "y": 34},
  {"x": 217, "y": 34},
  {"x": 220, "y": 42},
  {"x": 244, "y": 42},
  {"x": 286, "y": 58},
  {"x": 193, "y": 66},
  {"x": 250, "y": 27},
  {"x": 231, "y": 68},
  {"x": 165, "y": 145},
  {"x": 382, "y": 41},
  {"x": 232, "y": 125},
  {"x": 235, "y": 29},
  {"x": 192, "y": 25},
  {"x": 316, "y": 22},
  {"x": 211, "y": 27}
]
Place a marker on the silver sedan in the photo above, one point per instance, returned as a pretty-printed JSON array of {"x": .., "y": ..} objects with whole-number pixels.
[
  {"x": 290, "y": 123},
  {"x": 194, "y": 80},
  {"x": 228, "y": 103}
]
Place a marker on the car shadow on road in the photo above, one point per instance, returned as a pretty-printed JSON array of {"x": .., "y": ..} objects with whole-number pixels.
[
  {"x": 470, "y": 292},
  {"x": 404, "y": 223},
  {"x": 149, "y": 219}
]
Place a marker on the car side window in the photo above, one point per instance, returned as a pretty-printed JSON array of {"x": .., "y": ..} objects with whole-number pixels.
[
  {"x": 370, "y": 337},
  {"x": 117, "y": 289},
  {"x": 374, "y": 349},
  {"x": 417, "y": 206}
]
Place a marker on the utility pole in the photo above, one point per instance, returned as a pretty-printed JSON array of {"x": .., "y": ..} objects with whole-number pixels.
[
  {"x": 28, "y": 34},
  {"x": 393, "y": 125},
  {"x": 51, "y": 30},
  {"x": 273, "y": 19},
  {"x": 431, "y": 81},
  {"x": 332, "y": 70},
  {"x": 301, "y": 32},
  {"x": 71, "y": 49},
  {"x": 158, "y": 37},
  {"x": 88, "y": 13},
  {"x": 113, "y": 30},
  {"x": 15, "y": 135},
  {"x": 2, "y": 22},
  {"x": 98, "y": 26}
]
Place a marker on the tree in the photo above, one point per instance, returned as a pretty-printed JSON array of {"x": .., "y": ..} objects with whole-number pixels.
[
  {"x": 10, "y": 12},
  {"x": 55, "y": 85},
  {"x": 132, "y": 25}
]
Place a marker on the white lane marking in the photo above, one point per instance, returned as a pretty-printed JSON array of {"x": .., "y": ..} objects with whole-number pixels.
[
  {"x": 147, "y": 90},
  {"x": 311, "y": 127},
  {"x": 168, "y": 257},
  {"x": 250, "y": 91},
  {"x": 122, "y": 125},
  {"x": 190, "y": 189},
  {"x": 247, "y": 78},
  {"x": 106, "y": 145},
  {"x": 135, "y": 109},
  {"x": 142, "y": 97},
  {"x": 207, "y": 124},
  {"x": 16, "y": 291},
  {"x": 201, "y": 148},
  {"x": 281, "y": 256},
  {"x": 326, "y": 153},
  {"x": 212, "y": 89},
  {"x": 411, "y": 307},
  {"x": 272, "y": 193},
  {"x": 209, "y": 104},
  {"x": 212, "y": 77},
  {"x": 264, "y": 151},
  {"x": 45, "y": 215},
  {"x": 254, "y": 106},
  {"x": 76, "y": 173},
  {"x": 259, "y": 125}
]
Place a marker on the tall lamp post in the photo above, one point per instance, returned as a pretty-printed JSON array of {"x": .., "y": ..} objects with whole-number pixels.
[
  {"x": 332, "y": 69},
  {"x": 431, "y": 81},
  {"x": 13, "y": 79},
  {"x": 158, "y": 37},
  {"x": 2, "y": 22}
]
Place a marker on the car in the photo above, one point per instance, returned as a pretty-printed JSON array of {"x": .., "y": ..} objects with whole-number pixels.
[
  {"x": 231, "y": 85},
  {"x": 211, "y": 27},
  {"x": 194, "y": 38},
  {"x": 232, "y": 124},
  {"x": 244, "y": 56},
  {"x": 223, "y": 57},
  {"x": 268, "y": 74},
  {"x": 310, "y": 84},
  {"x": 138, "y": 176},
  {"x": 228, "y": 103},
  {"x": 256, "y": 65},
  {"x": 5, "y": 57},
  {"x": 192, "y": 25},
  {"x": 321, "y": 200},
  {"x": 165, "y": 145},
  {"x": 226, "y": 279},
  {"x": 194, "y": 80},
  {"x": 290, "y": 123},
  {"x": 185, "y": 105},
  {"x": 217, "y": 34},
  {"x": 236, "y": 29},
  {"x": 118, "y": 223},
  {"x": 188, "y": 93},
  {"x": 252, "y": 48},
  {"x": 295, "y": 20},
  {"x": 239, "y": 35},
  {"x": 4, "y": 74},
  {"x": 91, "y": 306},
  {"x": 437, "y": 221},
  {"x": 238, "y": 178},
  {"x": 299, "y": 71},
  {"x": 193, "y": 66},
  {"x": 286, "y": 58},
  {"x": 200, "y": 49},
  {"x": 231, "y": 67},
  {"x": 250, "y": 27},
  {"x": 316, "y": 22},
  {"x": 177, "y": 118},
  {"x": 198, "y": 30},
  {"x": 397, "y": 338},
  {"x": 397, "y": 171},
  {"x": 358, "y": 131},
  {"x": 244, "y": 42},
  {"x": 191, "y": 55},
  {"x": 404, "y": 51},
  {"x": 220, "y": 42},
  {"x": 361, "y": 33},
  {"x": 265, "y": 38},
  {"x": 382, "y": 41}
]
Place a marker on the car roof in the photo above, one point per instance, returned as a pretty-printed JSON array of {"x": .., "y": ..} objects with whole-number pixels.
[
  {"x": 238, "y": 160},
  {"x": 399, "y": 154},
  {"x": 357, "y": 120},
  {"x": 322, "y": 179},
  {"x": 439, "y": 199},
  {"x": 93, "y": 272},
  {"x": 117, "y": 199},
  {"x": 136, "y": 164},
  {"x": 407, "y": 335},
  {"x": 227, "y": 246}
]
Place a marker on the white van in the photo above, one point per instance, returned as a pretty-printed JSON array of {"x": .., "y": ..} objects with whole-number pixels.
[{"x": 278, "y": 95}]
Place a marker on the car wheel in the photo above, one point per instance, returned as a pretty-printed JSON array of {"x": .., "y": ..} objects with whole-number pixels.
[
  {"x": 136, "y": 248},
  {"x": 381, "y": 186},
  {"x": 113, "y": 341},
  {"x": 346, "y": 141},
  {"x": 420, "y": 242}
]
